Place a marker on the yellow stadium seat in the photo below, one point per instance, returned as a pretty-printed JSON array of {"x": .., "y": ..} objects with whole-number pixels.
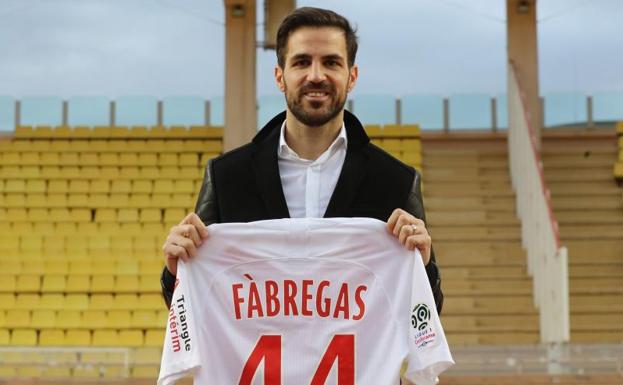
[
  {"x": 127, "y": 215},
  {"x": 94, "y": 319},
  {"x": 151, "y": 215},
  {"x": 66, "y": 228},
  {"x": 109, "y": 338},
  {"x": 142, "y": 186},
  {"x": 98, "y": 200},
  {"x": 52, "y": 302},
  {"x": 99, "y": 186},
  {"x": 69, "y": 319},
  {"x": 169, "y": 159},
  {"x": 121, "y": 244},
  {"x": 149, "y": 283},
  {"x": 29, "y": 371},
  {"x": 174, "y": 215},
  {"x": 28, "y": 283},
  {"x": 109, "y": 159},
  {"x": 125, "y": 302},
  {"x": 16, "y": 215},
  {"x": 36, "y": 214},
  {"x": 101, "y": 302},
  {"x": 78, "y": 284},
  {"x": 109, "y": 172},
  {"x": 106, "y": 215},
  {"x": 127, "y": 284},
  {"x": 43, "y": 319},
  {"x": 49, "y": 158},
  {"x": 33, "y": 200},
  {"x": 23, "y": 337},
  {"x": 36, "y": 186},
  {"x": 75, "y": 337},
  {"x": 188, "y": 160},
  {"x": 147, "y": 355},
  {"x": 60, "y": 215},
  {"x": 151, "y": 267},
  {"x": 620, "y": 128},
  {"x": 7, "y": 301},
  {"x": 131, "y": 228},
  {"x": 147, "y": 159},
  {"x": 4, "y": 340},
  {"x": 76, "y": 302},
  {"x": 75, "y": 200},
  {"x": 53, "y": 283},
  {"x": 132, "y": 338},
  {"x": 102, "y": 284},
  {"x": 11, "y": 158},
  {"x": 99, "y": 243},
  {"x": 81, "y": 215},
  {"x": 184, "y": 186},
  {"x": 103, "y": 267},
  {"x": 154, "y": 338},
  {"x": 9, "y": 283},
  {"x": 52, "y": 337},
  {"x": 146, "y": 319},
  {"x": 164, "y": 186},
  {"x": 80, "y": 268},
  {"x": 127, "y": 267},
  {"x": 7, "y": 371},
  {"x": 27, "y": 301},
  {"x": 56, "y": 200},
  {"x": 121, "y": 186},
  {"x": 17, "y": 318},
  {"x": 31, "y": 267},
  {"x": 89, "y": 159},
  {"x": 128, "y": 159},
  {"x": 119, "y": 132},
  {"x": 119, "y": 319},
  {"x": 618, "y": 170}
]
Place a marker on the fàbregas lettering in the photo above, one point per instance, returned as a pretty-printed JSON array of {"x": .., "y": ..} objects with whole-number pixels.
[{"x": 297, "y": 299}]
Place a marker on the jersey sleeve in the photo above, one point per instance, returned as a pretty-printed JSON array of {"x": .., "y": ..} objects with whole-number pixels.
[
  {"x": 429, "y": 354},
  {"x": 180, "y": 354}
]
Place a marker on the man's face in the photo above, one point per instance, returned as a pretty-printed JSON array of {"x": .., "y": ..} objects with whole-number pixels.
[{"x": 316, "y": 78}]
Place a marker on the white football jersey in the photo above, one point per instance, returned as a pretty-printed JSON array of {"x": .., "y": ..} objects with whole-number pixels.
[{"x": 303, "y": 301}]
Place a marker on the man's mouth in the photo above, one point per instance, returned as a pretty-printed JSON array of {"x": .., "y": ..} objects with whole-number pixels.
[{"x": 316, "y": 95}]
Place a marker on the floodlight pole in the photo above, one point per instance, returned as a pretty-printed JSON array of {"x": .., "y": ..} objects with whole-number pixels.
[
  {"x": 523, "y": 52},
  {"x": 240, "y": 84}
]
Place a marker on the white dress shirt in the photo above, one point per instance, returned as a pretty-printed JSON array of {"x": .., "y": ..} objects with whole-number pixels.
[{"x": 309, "y": 184}]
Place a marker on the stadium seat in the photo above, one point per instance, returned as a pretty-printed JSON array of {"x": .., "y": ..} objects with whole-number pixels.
[
  {"x": 23, "y": 337},
  {"x": 69, "y": 319},
  {"x": 108, "y": 338}
]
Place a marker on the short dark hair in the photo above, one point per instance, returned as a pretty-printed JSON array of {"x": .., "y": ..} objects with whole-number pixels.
[{"x": 315, "y": 17}]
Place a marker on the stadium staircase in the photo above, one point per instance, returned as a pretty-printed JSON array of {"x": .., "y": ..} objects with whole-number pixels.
[
  {"x": 470, "y": 207},
  {"x": 588, "y": 204}
]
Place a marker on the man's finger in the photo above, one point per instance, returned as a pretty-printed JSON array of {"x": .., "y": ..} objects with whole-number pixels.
[
  {"x": 190, "y": 231},
  {"x": 194, "y": 220},
  {"x": 186, "y": 243}
]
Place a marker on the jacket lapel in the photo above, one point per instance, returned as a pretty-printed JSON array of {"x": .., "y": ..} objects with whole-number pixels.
[
  {"x": 353, "y": 170},
  {"x": 266, "y": 169}
]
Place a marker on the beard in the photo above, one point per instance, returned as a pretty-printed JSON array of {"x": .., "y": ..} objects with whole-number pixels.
[{"x": 317, "y": 113}]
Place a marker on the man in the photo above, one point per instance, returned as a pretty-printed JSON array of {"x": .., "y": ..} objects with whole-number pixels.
[{"x": 312, "y": 160}]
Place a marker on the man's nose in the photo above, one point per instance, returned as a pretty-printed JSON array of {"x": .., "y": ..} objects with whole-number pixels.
[{"x": 316, "y": 73}]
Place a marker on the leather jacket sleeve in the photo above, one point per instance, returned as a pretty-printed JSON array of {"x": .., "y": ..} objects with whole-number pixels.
[
  {"x": 207, "y": 211},
  {"x": 415, "y": 207}
]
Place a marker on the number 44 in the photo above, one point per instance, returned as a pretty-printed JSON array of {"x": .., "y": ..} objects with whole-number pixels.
[{"x": 268, "y": 348}]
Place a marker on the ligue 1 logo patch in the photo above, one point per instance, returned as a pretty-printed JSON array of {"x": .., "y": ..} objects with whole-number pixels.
[
  {"x": 420, "y": 321},
  {"x": 420, "y": 316}
]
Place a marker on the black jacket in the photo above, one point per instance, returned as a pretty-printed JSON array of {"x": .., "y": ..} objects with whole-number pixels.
[{"x": 244, "y": 185}]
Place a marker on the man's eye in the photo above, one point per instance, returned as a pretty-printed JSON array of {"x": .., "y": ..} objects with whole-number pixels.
[{"x": 300, "y": 63}]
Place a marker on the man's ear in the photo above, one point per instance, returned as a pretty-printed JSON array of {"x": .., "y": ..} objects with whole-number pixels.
[
  {"x": 279, "y": 78},
  {"x": 353, "y": 76}
]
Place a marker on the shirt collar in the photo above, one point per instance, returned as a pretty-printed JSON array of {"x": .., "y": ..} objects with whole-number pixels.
[{"x": 284, "y": 150}]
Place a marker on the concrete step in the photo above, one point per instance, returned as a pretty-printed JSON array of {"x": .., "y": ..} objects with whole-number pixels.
[
  {"x": 484, "y": 272},
  {"x": 506, "y": 204},
  {"x": 500, "y": 305},
  {"x": 471, "y": 218}
]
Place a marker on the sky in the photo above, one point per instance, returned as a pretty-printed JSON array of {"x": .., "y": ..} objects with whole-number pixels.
[{"x": 176, "y": 47}]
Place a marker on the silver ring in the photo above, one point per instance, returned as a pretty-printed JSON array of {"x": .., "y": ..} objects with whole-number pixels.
[{"x": 414, "y": 228}]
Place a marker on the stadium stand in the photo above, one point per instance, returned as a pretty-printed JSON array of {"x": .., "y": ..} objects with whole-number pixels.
[
  {"x": 618, "y": 166},
  {"x": 587, "y": 203},
  {"x": 471, "y": 212},
  {"x": 83, "y": 214}
]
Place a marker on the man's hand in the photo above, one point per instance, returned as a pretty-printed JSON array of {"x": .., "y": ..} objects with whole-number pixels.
[
  {"x": 411, "y": 232},
  {"x": 183, "y": 240}
]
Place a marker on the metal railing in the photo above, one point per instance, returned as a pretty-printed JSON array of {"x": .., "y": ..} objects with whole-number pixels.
[{"x": 547, "y": 259}]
